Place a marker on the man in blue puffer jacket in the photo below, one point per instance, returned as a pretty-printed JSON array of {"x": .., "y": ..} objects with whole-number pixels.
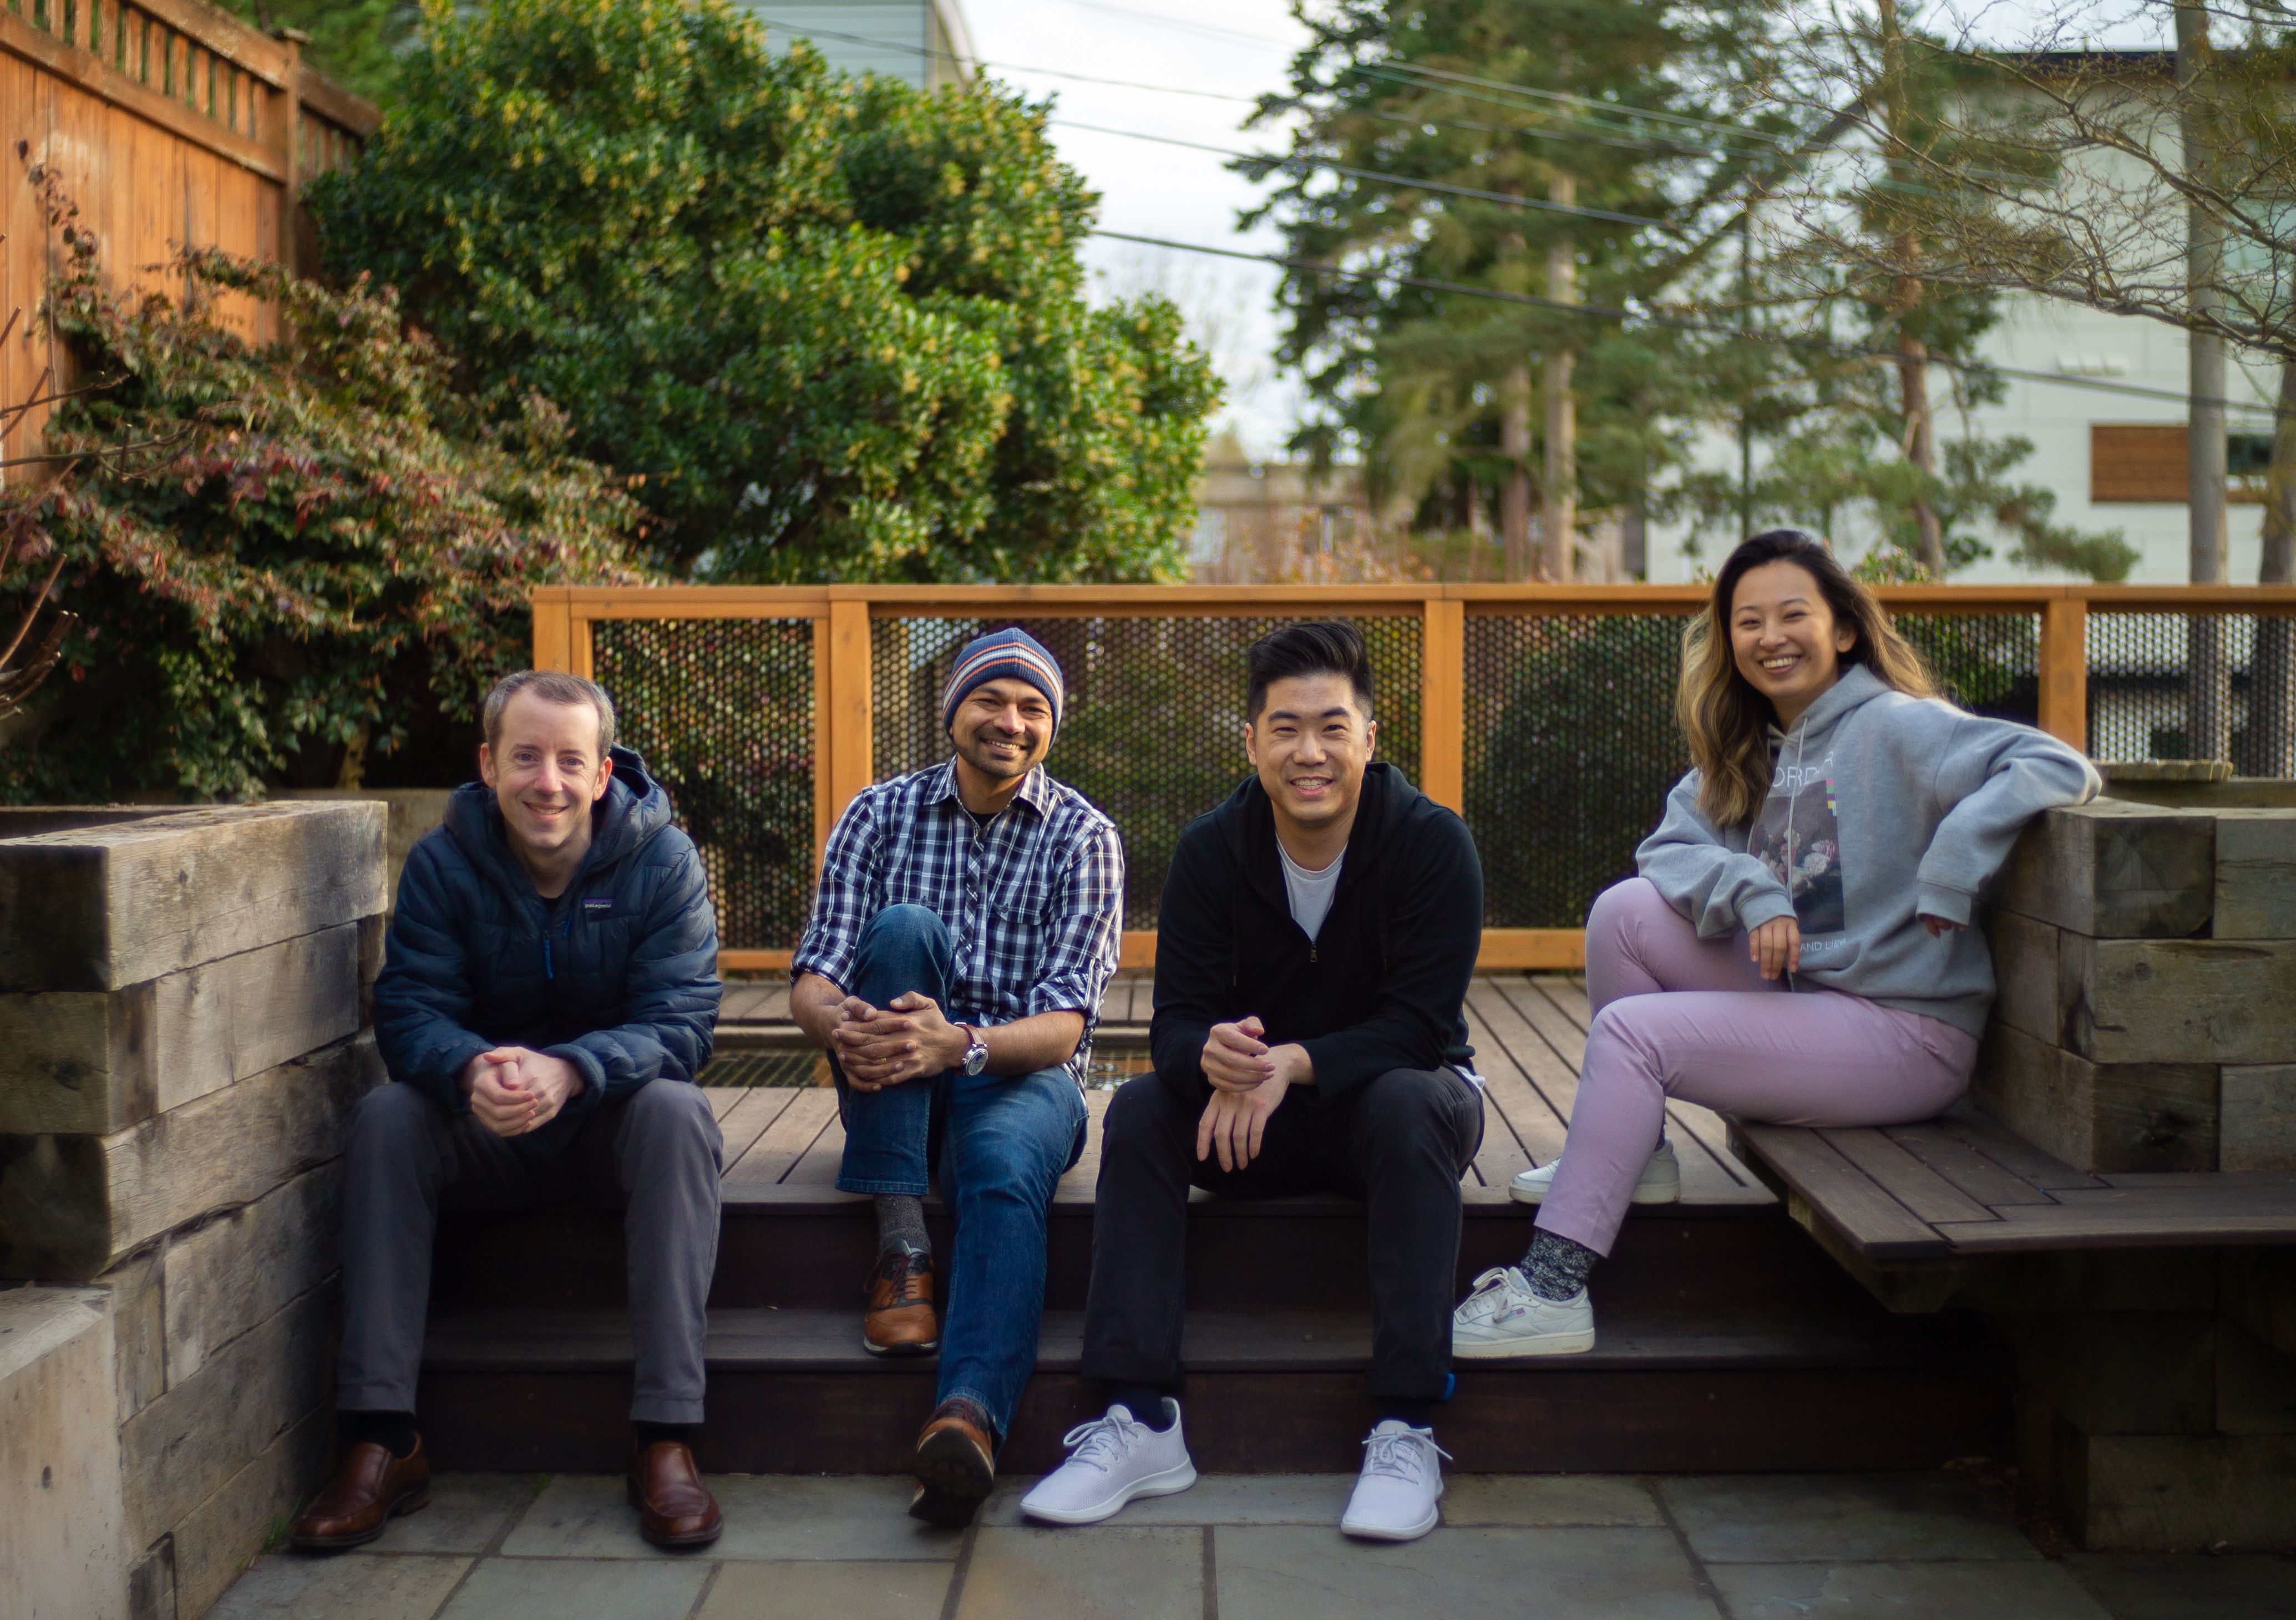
[{"x": 546, "y": 1006}]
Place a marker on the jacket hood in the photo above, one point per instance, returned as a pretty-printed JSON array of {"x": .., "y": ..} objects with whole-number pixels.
[
  {"x": 635, "y": 809},
  {"x": 1856, "y": 687},
  {"x": 1247, "y": 823}
]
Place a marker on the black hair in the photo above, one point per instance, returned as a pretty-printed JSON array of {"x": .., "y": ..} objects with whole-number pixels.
[{"x": 1327, "y": 646}]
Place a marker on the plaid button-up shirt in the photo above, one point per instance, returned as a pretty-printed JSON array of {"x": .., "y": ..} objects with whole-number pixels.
[{"x": 1034, "y": 901}]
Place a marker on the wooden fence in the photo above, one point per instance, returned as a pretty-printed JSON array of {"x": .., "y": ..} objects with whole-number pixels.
[
  {"x": 2049, "y": 666},
  {"x": 171, "y": 124}
]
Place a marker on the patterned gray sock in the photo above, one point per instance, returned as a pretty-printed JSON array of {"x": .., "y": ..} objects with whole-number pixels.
[
  {"x": 901, "y": 1220},
  {"x": 1556, "y": 1268}
]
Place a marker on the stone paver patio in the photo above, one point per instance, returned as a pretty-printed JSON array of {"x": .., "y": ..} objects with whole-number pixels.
[{"x": 1743, "y": 1547}]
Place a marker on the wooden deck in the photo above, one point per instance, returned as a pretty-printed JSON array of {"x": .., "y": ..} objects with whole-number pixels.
[{"x": 1528, "y": 1033}]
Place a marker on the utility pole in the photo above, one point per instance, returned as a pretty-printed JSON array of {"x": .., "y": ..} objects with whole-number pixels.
[
  {"x": 1558, "y": 512},
  {"x": 2272, "y": 668},
  {"x": 2208, "y": 707}
]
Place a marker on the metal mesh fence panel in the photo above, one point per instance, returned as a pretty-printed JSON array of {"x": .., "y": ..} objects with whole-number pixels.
[
  {"x": 1988, "y": 663},
  {"x": 1153, "y": 731},
  {"x": 2155, "y": 680},
  {"x": 1570, "y": 748},
  {"x": 1571, "y": 742},
  {"x": 722, "y": 711}
]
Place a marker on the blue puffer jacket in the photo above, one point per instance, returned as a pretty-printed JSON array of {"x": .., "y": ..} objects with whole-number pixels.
[{"x": 618, "y": 975}]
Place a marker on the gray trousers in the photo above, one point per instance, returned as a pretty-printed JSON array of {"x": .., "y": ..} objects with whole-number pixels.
[{"x": 655, "y": 1154}]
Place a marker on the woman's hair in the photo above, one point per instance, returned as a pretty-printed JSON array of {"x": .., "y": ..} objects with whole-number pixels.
[{"x": 1724, "y": 719}]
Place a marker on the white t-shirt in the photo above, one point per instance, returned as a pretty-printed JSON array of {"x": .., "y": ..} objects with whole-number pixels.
[{"x": 1310, "y": 892}]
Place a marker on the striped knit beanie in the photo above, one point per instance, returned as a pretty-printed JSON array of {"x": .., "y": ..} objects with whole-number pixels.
[{"x": 994, "y": 657}]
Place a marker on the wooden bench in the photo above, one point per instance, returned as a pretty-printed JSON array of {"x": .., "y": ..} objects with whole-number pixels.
[{"x": 1907, "y": 1208}]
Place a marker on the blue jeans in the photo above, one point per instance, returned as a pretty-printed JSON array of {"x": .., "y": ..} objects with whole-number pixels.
[{"x": 1001, "y": 1143}]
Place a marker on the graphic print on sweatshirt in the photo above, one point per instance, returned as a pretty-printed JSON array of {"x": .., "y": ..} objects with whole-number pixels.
[{"x": 1799, "y": 838}]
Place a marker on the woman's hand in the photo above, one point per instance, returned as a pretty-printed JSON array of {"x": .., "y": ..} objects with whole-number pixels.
[
  {"x": 1775, "y": 946},
  {"x": 1939, "y": 927}
]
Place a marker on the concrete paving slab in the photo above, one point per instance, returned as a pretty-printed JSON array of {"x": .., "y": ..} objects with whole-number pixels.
[
  {"x": 1097, "y": 1574},
  {"x": 2176, "y": 1586},
  {"x": 1610, "y": 1573},
  {"x": 1993, "y": 1588},
  {"x": 1471, "y": 1499},
  {"x": 1215, "y": 1499},
  {"x": 1752, "y": 1519},
  {"x": 914, "y": 1591},
  {"x": 579, "y": 1589},
  {"x": 466, "y": 1512},
  {"x": 341, "y": 1586},
  {"x": 767, "y": 1516}
]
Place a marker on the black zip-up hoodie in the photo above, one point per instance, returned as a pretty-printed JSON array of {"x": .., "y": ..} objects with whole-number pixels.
[{"x": 1382, "y": 985}]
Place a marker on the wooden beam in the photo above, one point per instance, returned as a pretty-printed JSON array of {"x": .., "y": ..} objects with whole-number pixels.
[
  {"x": 1504, "y": 950},
  {"x": 852, "y": 750},
  {"x": 2064, "y": 672},
  {"x": 1443, "y": 703},
  {"x": 553, "y": 628},
  {"x": 824, "y": 740}
]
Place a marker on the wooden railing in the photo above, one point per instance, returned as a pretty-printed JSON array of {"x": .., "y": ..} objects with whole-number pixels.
[
  {"x": 842, "y": 709},
  {"x": 171, "y": 124}
]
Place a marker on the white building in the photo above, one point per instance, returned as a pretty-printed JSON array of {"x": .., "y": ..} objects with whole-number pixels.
[
  {"x": 2106, "y": 426},
  {"x": 924, "y": 42}
]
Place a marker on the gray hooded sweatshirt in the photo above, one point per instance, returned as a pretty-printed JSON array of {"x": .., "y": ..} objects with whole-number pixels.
[{"x": 1881, "y": 807}]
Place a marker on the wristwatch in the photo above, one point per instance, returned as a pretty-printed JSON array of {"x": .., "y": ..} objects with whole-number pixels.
[{"x": 976, "y": 1055}]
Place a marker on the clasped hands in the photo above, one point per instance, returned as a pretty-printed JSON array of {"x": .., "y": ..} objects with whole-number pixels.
[
  {"x": 513, "y": 1090},
  {"x": 1775, "y": 945},
  {"x": 1248, "y": 1080},
  {"x": 904, "y": 1039}
]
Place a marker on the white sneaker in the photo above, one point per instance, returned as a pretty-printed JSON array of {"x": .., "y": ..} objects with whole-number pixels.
[
  {"x": 1401, "y": 1482},
  {"x": 1112, "y": 1459},
  {"x": 1503, "y": 1318},
  {"x": 1660, "y": 1181}
]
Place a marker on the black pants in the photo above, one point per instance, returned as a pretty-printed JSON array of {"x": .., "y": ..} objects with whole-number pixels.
[{"x": 1399, "y": 1144}]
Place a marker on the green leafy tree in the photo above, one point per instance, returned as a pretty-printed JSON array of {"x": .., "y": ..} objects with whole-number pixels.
[
  {"x": 285, "y": 556},
  {"x": 1511, "y": 148},
  {"x": 359, "y": 44},
  {"x": 835, "y": 325}
]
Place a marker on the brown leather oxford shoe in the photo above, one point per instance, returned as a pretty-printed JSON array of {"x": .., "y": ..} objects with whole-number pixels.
[
  {"x": 369, "y": 1488},
  {"x": 675, "y": 1508},
  {"x": 955, "y": 1464},
  {"x": 900, "y": 1319}
]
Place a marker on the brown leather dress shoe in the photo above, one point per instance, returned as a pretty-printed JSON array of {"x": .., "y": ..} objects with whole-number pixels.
[
  {"x": 675, "y": 1508},
  {"x": 900, "y": 1319},
  {"x": 955, "y": 1464},
  {"x": 371, "y": 1487}
]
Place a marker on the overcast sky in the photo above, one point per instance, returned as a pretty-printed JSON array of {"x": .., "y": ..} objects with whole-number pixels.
[{"x": 1235, "y": 48}]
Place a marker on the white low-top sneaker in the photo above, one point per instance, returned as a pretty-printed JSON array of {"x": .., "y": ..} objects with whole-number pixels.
[
  {"x": 1503, "y": 1318},
  {"x": 1401, "y": 1482},
  {"x": 1660, "y": 1181},
  {"x": 1112, "y": 1459}
]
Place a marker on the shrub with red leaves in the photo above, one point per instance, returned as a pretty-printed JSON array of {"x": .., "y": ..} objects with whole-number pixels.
[{"x": 280, "y": 552}]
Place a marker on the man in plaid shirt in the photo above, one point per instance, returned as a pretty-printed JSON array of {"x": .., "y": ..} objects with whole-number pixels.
[{"x": 966, "y": 925}]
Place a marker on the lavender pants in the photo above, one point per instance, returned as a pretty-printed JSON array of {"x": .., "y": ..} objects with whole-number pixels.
[{"x": 1678, "y": 1016}]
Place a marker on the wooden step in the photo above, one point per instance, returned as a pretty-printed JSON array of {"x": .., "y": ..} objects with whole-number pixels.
[
  {"x": 1273, "y": 1391},
  {"x": 813, "y": 1247}
]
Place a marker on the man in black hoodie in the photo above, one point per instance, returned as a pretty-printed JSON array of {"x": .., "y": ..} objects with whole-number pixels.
[
  {"x": 1314, "y": 945},
  {"x": 548, "y": 995}
]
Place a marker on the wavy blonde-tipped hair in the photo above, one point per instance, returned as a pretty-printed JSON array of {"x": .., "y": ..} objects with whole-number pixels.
[{"x": 1724, "y": 719}]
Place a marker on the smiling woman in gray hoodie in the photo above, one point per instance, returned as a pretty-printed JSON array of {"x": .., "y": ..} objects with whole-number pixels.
[{"x": 1797, "y": 946}]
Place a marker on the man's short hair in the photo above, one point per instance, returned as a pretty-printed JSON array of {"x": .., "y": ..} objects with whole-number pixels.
[
  {"x": 551, "y": 686},
  {"x": 1327, "y": 646}
]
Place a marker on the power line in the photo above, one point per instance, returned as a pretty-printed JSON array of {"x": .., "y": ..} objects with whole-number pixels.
[
  {"x": 1601, "y": 312},
  {"x": 1300, "y": 160}
]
